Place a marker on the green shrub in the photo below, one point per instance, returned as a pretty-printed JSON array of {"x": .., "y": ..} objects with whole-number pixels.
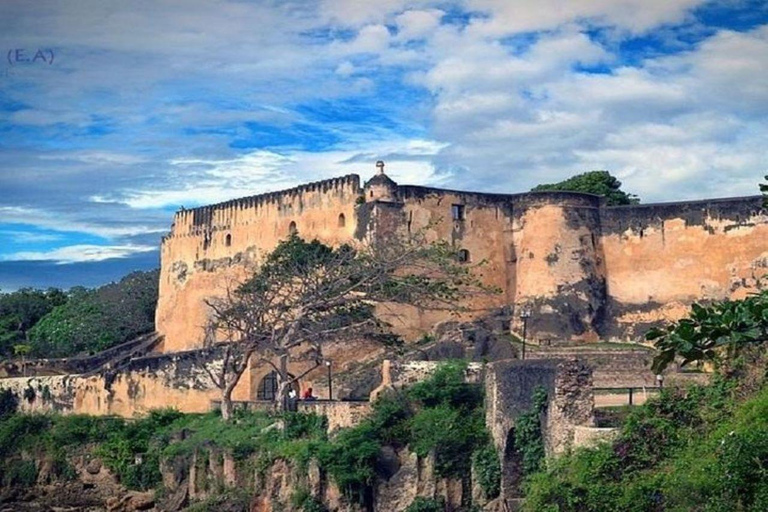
[
  {"x": 529, "y": 438},
  {"x": 488, "y": 470},
  {"x": 18, "y": 430},
  {"x": 301, "y": 425},
  {"x": 350, "y": 460},
  {"x": 452, "y": 434},
  {"x": 421, "y": 504},
  {"x": 302, "y": 500},
  {"x": 79, "y": 429},
  {"x": 20, "y": 472},
  {"x": 446, "y": 386}
]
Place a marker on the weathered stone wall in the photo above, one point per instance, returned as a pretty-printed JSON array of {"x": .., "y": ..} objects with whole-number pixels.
[
  {"x": 509, "y": 391},
  {"x": 659, "y": 258},
  {"x": 209, "y": 248},
  {"x": 179, "y": 380},
  {"x": 586, "y": 271},
  {"x": 339, "y": 414},
  {"x": 560, "y": 274},
  {"x": 173, "y": 380}
]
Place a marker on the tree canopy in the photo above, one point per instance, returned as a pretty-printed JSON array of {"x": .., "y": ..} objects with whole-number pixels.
[
  {"x": 92, "y": 320},
  {"x": 21, "y": 310},
  {"x": 306, "y": 293},
  {"x": 600, "y": 183}
]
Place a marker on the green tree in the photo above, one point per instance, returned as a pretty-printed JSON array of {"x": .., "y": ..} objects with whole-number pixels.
[
  {"x": 600, "y": 183},
  {"x": 21, "y": 310},
  {"x": 764, "y": 190},
  {"x": 712, "y": 333},
  {"x": 306, "y": 293},
  {"x": 96, "y": 319}
]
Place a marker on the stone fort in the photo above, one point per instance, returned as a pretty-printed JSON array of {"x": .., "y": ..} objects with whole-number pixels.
[
  {"x": 587, "y": 272},
  {"x": 584, "y": 270}
]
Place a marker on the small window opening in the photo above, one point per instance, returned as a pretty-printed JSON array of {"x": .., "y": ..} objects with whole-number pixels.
[
  {"x": 292, "y": 228},
  {"x": 228, "y": 240},
  {"x": 463, "y": 256},
  {"x": 371, "y": 193},
  {"x": 457, "y": 211},
  {"x": 342, "y": 220}
]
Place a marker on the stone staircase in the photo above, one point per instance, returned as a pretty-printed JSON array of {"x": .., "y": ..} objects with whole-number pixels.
[{"x": 109, "y": 359}]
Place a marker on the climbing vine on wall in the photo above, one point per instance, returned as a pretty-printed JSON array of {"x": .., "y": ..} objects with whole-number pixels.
[{"x": 529, "y": 438}]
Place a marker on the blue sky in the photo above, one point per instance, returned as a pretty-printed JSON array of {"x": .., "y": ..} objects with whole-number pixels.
[{"x": 112, "y": 115}]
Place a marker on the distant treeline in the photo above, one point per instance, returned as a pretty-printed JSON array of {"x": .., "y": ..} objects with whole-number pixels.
[{"x": 54, "y": 323}]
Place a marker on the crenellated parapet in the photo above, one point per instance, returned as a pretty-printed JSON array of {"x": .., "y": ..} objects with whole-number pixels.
[{"x": 224, "y": 215}]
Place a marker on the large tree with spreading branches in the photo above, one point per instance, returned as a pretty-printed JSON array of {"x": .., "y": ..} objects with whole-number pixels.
[{"x": 306, "y": 293}]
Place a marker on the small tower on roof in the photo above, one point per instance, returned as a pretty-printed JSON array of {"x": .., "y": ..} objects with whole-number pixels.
[{"x": 380, "y": 187}]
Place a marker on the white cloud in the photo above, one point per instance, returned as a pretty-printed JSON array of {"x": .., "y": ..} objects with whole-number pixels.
[
  {"x": 370, "y": 39},
  {"x": 416, "y": 24},
  {"x": 216, "y": 180},
  {"x": 517, "y": 16},
  {"x": 25, "y": 237},
  {"x": 97, "y": 157},
  {"x": 79, "y": 253},
  {"x": 69, "y": 223}
]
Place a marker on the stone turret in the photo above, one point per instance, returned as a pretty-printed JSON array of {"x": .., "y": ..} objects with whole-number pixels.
[{"x": 380, "y": 187}]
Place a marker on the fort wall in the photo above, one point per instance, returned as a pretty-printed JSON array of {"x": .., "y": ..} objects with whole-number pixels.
[
  {"x": 659, "y": 258},
  {"x": 211, "y": 247},
  {"x": 585, "y": 271},
  {"x": 559, "y": 268}
]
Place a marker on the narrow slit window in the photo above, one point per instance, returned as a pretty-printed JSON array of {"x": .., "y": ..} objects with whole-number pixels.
[
  {"x": 342, "y": 220},
  {"x": 457, "y": 211},
  {"x": 292, "y": 228},
  {"x": 228, "y": 240}
]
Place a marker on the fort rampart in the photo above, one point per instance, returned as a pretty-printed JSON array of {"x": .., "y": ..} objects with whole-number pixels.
[{"x": 586, "y": 271}]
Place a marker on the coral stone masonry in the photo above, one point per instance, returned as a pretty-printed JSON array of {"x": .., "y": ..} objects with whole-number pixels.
[{"x": 586, "y": 271}]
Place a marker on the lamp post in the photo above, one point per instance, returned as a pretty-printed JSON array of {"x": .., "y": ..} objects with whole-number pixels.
[
  {"x": 525, "y": 314},
  {"x": 330, "y": 381},
  {"x": 660, "y": 380}
]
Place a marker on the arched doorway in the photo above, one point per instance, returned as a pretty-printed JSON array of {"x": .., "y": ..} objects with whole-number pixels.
[{"x": 267, "y": 388}]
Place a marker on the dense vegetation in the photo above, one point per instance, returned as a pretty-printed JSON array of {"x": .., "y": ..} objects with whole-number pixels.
[
  {"x": 700, "y": 449},
  {"x": 20, "y": 311},
  {"x": 703, "y": 448},
  {"x": 442, "y": 417},
  {"x": 53, "y": 323},
  {"x": 600, "y": 183}
]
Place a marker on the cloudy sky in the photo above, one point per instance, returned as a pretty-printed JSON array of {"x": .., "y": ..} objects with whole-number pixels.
[{"x": 114, "y": 114}]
